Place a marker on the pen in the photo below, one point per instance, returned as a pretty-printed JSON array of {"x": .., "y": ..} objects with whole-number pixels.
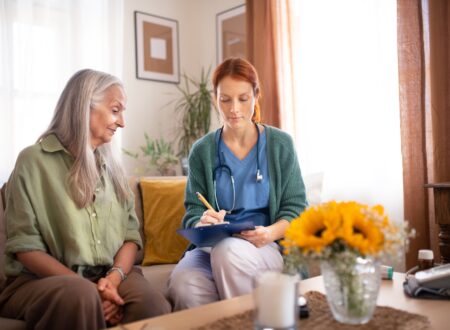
[{"x": 204, "y": 201}]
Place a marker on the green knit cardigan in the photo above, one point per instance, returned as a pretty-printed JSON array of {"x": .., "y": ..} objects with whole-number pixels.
[{"x": 287, "y": 197}]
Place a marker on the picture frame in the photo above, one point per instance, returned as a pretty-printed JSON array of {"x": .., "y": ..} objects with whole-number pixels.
[
  {"x": 231, "y": 33},
  {"x": 156, "y": 40}
]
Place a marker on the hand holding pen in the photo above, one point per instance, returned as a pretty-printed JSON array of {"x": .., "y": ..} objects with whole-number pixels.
[{"x": 210, "y": 216}]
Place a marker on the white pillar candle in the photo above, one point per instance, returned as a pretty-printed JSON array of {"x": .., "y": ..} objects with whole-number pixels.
[{"x": 275, "y": 300}]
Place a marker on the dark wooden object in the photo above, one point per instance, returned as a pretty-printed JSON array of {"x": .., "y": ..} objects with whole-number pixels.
[{"x": 441, "y": 193}]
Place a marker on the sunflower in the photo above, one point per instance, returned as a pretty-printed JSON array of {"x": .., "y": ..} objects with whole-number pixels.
[
  {"x": 342, "y": 231},
  {"x": 315, "y": 229},
  {"x": 360, "y": 230}
]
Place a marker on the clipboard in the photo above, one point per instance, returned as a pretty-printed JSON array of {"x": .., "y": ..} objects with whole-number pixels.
[{"x": 207, "y": 236}]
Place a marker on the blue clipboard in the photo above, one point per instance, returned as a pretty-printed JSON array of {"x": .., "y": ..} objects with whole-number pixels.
[{"x": 206, "y": 236}]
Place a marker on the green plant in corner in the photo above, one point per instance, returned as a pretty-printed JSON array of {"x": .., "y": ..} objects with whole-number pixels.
[
  {"x": 194, "y": 105},
  {"x": 160, "y": 153}
]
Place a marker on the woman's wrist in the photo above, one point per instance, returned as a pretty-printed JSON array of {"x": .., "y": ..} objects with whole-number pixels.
[
  {"x": 119, "y": 270},
  {"x": 116, "y": 275}
]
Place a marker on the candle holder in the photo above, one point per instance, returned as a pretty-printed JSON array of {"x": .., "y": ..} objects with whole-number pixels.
[{"x": 276, "y": 301}]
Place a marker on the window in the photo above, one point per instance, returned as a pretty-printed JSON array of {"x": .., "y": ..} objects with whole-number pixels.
[
  {"x": 346, "y": 113},
  {"x": 44, "y": 42}
]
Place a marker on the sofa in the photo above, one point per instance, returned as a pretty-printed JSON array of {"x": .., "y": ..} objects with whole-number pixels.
[
  {"x": 157, "y": 261},
  {"x": 159, "y": 207}
]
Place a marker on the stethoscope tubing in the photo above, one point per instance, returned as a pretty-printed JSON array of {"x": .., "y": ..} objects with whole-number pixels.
[{"x": 259, "y": 176}]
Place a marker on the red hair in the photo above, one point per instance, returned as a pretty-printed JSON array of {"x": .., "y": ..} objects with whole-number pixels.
[{"x": 239, "y": 69}]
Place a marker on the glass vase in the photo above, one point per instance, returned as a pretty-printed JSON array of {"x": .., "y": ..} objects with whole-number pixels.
[{"x": 352, "y": 289}]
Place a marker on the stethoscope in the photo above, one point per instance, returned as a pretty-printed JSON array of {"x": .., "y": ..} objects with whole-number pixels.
[{"x": 220, "y": 167}]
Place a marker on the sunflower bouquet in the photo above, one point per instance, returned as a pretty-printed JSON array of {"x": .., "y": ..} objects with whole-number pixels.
[
  {"x": 342, "y": 230},
  {"x": 345, "y": 237}
]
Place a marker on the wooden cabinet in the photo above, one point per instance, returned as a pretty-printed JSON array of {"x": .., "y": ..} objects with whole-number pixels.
[{"x": 441, "y": 192}]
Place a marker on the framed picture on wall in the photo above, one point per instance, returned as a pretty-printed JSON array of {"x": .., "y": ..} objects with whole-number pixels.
[
  {"x": 156, "y": 48},
  {"x": 231, "y": 33}
]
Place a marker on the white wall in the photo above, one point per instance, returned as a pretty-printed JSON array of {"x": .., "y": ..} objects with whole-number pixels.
[{"x": 146, "y": 111}]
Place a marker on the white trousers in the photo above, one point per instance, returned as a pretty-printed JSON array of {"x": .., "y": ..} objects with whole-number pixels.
[{"x": 201, "y": 278}]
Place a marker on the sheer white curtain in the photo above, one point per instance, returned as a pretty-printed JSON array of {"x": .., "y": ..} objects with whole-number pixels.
[
  {"x": 340, "y": 90},
  {"x": 42, "y": 43}
]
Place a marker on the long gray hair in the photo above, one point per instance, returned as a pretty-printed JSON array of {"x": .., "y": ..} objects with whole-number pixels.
[{"x": 71, "y": 124}]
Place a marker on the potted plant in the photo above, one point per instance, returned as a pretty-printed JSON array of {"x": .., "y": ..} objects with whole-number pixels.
[
  {"x": 160, "y": 156},
  {"x": 194, "y": 106},
  {"x": 348, "y": 239}
]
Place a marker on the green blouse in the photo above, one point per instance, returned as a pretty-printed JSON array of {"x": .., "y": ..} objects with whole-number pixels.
[{"x": 41, "y": 215}]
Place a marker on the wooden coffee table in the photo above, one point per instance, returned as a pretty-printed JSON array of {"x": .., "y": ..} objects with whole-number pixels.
[{"x": 391, "y": 294}]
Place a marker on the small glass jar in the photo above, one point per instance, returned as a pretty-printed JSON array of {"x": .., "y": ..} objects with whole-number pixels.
[{"x": 425, "y": 259}]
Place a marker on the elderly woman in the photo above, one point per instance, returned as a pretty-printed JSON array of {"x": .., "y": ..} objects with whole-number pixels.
[{"x": 72, "y": 231}]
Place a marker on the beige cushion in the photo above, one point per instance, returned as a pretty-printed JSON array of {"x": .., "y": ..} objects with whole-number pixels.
[
  {"x": 163, "y": 204},
  {"x": 11, "y": 324},
  {"x": 157, "y": 276},
  {"x": 313, "y": 185}
]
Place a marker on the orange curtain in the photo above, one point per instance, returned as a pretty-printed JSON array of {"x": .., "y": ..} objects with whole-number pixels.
[
  {"x": 424, "y": 71},
  {"x": 261, "y": 48}
]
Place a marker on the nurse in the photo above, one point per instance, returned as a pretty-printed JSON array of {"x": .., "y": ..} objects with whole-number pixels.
[{"x": 246, "y": 170}]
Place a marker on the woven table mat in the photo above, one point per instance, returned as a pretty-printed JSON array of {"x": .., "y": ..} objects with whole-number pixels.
[{"x": 320, "y": 317}]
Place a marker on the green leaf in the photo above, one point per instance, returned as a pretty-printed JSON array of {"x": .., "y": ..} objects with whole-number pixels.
[
  {"x": 194, "y": 104},
  {"x": 159, "y": 154}
]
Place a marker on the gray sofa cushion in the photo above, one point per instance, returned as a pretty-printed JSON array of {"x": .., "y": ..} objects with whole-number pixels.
[{"x": 157, "y": 276}]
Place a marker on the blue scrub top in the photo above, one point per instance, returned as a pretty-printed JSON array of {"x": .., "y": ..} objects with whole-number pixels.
[{"x": 252, "y": 198}]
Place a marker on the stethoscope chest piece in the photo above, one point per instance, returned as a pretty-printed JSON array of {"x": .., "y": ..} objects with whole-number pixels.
[{"x": 259, "y": 176}]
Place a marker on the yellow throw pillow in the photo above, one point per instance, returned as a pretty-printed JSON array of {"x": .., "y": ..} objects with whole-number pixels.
[{"x": 163, "y": 203}]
